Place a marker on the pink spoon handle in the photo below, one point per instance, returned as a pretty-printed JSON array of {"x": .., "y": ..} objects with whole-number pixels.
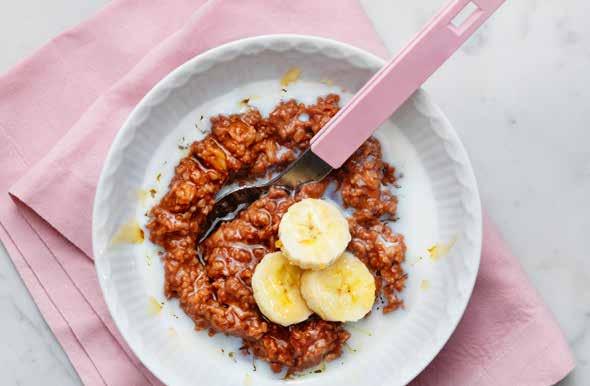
[{"x": 389, "y": 88}]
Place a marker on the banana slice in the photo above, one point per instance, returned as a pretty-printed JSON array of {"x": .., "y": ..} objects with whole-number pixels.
[
  {"x": 276, "y": 290},
  {"x": 343, "y": 292},
  {"x": 313, "y": 233}
]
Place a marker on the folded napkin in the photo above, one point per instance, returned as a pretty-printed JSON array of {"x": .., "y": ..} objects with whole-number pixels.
[{"x": 59, "y": 111}]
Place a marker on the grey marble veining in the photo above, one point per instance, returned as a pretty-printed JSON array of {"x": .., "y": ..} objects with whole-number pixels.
[{"x": 517, "y": 92}]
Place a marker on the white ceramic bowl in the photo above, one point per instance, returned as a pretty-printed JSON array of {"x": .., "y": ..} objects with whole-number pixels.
[{"x": 438, "y": 203}]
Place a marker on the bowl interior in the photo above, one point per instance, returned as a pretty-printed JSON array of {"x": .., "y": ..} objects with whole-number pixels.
[{"x": 438, "y": 205}]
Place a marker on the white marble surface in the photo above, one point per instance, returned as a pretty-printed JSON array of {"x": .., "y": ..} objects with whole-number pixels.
[{"x": 517, "y": 93}]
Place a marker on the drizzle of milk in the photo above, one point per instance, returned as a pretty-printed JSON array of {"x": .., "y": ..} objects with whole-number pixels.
[{"x": 334, "y": 196}]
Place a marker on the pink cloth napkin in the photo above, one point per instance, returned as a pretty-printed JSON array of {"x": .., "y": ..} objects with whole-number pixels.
[{"x": 59, "y": 111}]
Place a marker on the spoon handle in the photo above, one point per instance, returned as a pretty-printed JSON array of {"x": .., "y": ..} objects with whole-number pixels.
[{"x": 389, "y": 88}]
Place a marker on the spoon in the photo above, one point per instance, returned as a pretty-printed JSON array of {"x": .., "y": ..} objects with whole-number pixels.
[{"x": 378, "y": 99}]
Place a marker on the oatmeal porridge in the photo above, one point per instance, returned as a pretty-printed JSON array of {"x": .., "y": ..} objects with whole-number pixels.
[{"x": 213, "y": 279}]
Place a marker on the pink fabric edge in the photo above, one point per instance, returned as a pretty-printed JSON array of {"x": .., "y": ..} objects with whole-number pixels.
[
  {"x": 99, "y": 345},
  {"x": 83, "y": 277},
  {"x": 68, "y": 304},
  {"x": 58, "y": 325},
  {"x": 522, "y": 354},
  {"x": 555, "y": 359}
]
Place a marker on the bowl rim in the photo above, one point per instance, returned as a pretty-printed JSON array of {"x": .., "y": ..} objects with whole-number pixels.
[{"x": 269, "y": 38}]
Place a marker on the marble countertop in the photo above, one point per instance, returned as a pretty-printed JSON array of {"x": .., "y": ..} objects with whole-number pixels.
[{"x": 518, "y": 95}]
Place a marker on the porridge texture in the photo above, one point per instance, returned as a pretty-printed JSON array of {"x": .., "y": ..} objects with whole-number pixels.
[{"x": 212, "y": 280}]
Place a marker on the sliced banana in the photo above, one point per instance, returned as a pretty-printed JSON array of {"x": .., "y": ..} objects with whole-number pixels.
[
  {"x": 313, "y": 233},
  {"x": 343, "y": 292},
  {"x": 276, "y": 290}
]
